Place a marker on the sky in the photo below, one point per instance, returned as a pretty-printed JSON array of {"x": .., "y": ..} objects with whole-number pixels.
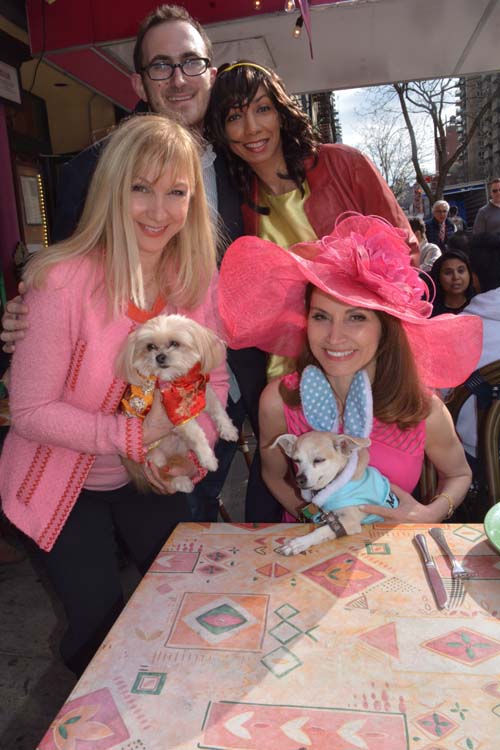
[{"x": 347, "y": 102}]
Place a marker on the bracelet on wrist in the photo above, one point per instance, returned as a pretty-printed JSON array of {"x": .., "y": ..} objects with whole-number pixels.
[
  {"x": 151, "y": 446},
  {"x": 451, "y": 504}
]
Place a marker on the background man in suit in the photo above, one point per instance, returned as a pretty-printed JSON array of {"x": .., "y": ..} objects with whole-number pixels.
[{"x": 439, "y": 227}]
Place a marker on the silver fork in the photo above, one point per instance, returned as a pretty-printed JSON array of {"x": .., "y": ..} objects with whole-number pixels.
[{"x": 457, "y": 570}]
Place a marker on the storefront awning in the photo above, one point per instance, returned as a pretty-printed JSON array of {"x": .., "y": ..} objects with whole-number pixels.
[{"x": 356, "y": 42}]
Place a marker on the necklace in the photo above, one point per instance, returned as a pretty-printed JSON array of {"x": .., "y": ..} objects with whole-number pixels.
[{"x": 340, "y": 407}]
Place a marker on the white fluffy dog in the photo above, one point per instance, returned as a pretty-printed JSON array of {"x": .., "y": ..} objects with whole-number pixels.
[{"x": 175, "y": 354}]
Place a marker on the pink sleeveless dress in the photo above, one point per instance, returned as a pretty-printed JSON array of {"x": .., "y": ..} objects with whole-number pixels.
[{"x": 396, "y": 453}]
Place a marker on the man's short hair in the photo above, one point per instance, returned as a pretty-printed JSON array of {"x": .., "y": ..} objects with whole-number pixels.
[
  {"x": 485, "y": 260},
  {"x": 492, "y": 181},
  {"x": 441, "y": 204},
  {"x": 167, "y": 14}
]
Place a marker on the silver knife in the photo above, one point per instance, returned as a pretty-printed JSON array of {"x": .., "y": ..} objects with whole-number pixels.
[{"x": 435, "y": 581}]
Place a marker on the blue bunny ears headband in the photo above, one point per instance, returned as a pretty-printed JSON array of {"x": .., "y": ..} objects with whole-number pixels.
[{"x": 320, "y": 405}]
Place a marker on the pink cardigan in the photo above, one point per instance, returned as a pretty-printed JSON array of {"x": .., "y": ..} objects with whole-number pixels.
[{"x": 64, "y": 395}]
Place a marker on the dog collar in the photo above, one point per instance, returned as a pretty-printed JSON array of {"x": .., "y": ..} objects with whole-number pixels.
[
  {"x": 340, "y": 480},
  {"x": 185, "y": 397}
]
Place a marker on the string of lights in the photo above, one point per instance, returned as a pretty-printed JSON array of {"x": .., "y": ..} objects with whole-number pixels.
[{"x": 290, "y": 7}]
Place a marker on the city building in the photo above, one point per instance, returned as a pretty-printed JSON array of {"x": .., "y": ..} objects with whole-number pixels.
[{"x": 481, "y": 159}]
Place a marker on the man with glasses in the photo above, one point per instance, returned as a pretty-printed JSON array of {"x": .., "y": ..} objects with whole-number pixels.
[
  {"x": 488, "y": 217},
  {"x": 173, "y": 77}
]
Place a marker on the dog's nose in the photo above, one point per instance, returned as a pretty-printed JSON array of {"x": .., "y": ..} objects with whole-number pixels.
[
  {"x": 161, "y": 359},
  {"x": 301, "y": 479}
]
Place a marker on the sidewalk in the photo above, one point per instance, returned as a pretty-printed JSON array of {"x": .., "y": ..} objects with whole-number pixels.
[{"x": 33, "y": 681}]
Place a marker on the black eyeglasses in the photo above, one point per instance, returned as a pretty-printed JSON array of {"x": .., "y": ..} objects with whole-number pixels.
[{"x": 159, "y": 70}]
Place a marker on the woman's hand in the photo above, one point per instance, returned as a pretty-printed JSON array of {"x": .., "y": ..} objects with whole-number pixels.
[
  {"x": 161, "y": 478},
  {"x": 409, "y": 510},
  {"x": 168, "y": 460},
  {"x": 156, "y": 424},
  {"x": 14, "y": 321}
]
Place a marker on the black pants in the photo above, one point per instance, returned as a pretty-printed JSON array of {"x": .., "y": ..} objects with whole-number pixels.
[
  {"x": 83, "y": 564},
  {"x": 249, "y": 367},
  {"x": 260, "y": 505},
  {"x": 204, "y": 499}
]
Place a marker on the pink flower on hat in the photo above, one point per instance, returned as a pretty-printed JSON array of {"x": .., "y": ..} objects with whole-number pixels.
[
  {"x": 365, "y": 263},
  {"x": 373, "y": 255}
]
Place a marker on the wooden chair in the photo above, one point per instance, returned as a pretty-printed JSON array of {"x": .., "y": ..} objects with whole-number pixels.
[
  {"x": 490, "y": 443},
  {"x": 484, "y": 383}
]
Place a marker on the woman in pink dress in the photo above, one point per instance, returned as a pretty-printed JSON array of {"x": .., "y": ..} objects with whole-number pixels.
[{"x": 347, "y": 303}]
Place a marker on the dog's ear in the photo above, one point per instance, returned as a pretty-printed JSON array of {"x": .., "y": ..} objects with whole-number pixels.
[
  {"x": 124, "y": 366},
  {"x": 211, "y": 349},
  {"x": 286, "y": 443},
  {"x": 348, "y": 445}
]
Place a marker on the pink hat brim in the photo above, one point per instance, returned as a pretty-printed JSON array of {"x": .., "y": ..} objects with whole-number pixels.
[{"x": 261, "y": 304}]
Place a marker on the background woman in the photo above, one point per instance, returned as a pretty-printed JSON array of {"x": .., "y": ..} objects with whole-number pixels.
[
  {"x": 144, "y": 245},
  {"x": 363, "y": 311},
  {"x": 452, "y": 276},
  {"x": 428, "y": 251}
]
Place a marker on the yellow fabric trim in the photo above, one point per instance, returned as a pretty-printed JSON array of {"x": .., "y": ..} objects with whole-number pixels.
[{"x": 286, "y": 224}]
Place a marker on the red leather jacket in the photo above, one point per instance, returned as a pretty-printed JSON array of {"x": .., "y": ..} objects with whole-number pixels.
[{"x": 343, "y": 180}]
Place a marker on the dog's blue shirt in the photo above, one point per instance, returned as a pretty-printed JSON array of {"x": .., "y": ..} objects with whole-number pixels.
[{"x": 373, "y": 488}]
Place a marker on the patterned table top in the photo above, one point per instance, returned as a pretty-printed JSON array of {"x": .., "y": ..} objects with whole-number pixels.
[{"x": 226, "y": 645}]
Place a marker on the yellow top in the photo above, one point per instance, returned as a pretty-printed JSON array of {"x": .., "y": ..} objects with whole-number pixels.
[{"x": 286, "y": 225}]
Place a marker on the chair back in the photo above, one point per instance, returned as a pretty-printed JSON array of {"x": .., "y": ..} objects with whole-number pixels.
[
  {"x": 491, "y": 439},
  {"x": 484, "y": 383}
]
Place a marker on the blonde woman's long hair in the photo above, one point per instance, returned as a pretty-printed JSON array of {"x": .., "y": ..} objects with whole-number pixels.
[{"x": 106, "y": 229}]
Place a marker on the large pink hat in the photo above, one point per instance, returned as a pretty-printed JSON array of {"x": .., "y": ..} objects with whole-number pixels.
[{"x": 364, "y": 262}]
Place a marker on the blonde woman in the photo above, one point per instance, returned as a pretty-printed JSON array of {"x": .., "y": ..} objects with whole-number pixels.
[{"x": 144, "y": 245}]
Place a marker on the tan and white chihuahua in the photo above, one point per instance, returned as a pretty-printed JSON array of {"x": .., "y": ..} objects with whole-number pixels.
[{"x": 332, "y": 472}]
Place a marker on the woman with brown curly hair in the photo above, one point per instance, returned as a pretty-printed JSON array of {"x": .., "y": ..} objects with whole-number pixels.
[{"x": 293, "y": 187}]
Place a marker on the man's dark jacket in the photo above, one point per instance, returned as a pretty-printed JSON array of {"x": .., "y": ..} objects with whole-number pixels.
[{"x": 432, "y": 232}]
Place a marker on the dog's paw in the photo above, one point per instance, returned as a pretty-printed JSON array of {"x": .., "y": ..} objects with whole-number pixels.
[
  {"x": 208, "y": 461},
  {"x": 229, "y": 432},
  {"x": 182, "y": 484},
  {"x": 293, "y": 547}
]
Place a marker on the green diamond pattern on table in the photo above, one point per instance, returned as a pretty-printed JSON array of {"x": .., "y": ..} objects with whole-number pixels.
[
  {"x": 377, "y": 548},
  {"x": 465, "y": 645},
  {"x": 286, "y": 611},
  {"x": 436, "y": 724},
  {"x": 149, "y": 683},
  {"x": 222, "y": 619},
  {"x": 467, "y": 532},
  {"x": 284, "y": 632},
  {"x": 281, "y": 661}
]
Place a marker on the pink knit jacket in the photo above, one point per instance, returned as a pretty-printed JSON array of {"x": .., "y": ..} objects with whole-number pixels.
[{"x": 64, "y": 395}]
